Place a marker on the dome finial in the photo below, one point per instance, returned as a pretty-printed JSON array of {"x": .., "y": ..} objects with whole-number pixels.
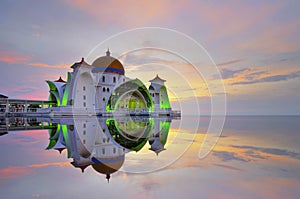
[
  {"x": 107, "y": 52},
  {"x": 107, "y": 177}
]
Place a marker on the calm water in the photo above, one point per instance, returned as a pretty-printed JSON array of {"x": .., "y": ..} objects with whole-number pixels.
[{"x": 255, "y": 157}]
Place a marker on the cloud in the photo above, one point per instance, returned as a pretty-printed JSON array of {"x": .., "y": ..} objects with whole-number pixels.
[
  {"x": 271, "y": 78},
  {"x": 22, "y": 139},
  {"x": 228, "y": 156},
  {"x": 227, "y": 73},
  {"x": 17, "y": 172},
  {"x": 234, "y": 61},
  {"x": 274, "y": 39},
  {"x": 13, "y": 172},
  {"x": 39, "y": 64},
  {"x": 36, "y": 34},
  {"x": 228, "y": 167},
  {"x": 127, "y": 13},
  {"x": 272, "y": 151},
  {"x": 18, "y": 58},
  {"x": 13, "y": 57},
  {"x": 254, "y": 75},
  {"x": 237, "y": 17}
]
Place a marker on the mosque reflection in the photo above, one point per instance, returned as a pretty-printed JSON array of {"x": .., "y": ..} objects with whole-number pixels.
[{"x": 98, "y": 142}]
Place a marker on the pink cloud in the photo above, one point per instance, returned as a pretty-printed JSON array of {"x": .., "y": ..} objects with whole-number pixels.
[
  {"x": 275, "y": 39},
  {"x": 17, "y": 58},
  {"x": 36, "y": 34},
  {"x": 13, "y": 172},
  {"x": 17, "y": 172},
  {"x": 232, "y": 18},
  {"x": 13, "y": 57},
  {"x": 25, "y": 92},
  {"x": 128, "y": 13}
]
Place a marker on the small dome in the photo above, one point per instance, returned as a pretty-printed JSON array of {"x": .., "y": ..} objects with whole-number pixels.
[{"x": 108, "y": 64}]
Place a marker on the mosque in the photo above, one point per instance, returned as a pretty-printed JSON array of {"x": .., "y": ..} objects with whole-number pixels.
[
  {"x": 102, "y": 142},
  {"x": 102, "y": 88}
]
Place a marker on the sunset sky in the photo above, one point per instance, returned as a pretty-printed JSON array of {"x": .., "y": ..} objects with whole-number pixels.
[{"x": 255, "y": 44}]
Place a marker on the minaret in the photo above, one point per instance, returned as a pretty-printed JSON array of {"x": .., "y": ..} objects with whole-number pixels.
[{"x": 159, "y": 94}]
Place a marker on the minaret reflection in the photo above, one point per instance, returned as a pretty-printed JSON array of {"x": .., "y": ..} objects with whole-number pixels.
[
  {"x": 103, "y": 142},
  {"x": 159, "y": 134}
]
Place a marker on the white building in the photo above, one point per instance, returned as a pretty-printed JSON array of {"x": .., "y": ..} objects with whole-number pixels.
[{"x": 102, "y": 89}]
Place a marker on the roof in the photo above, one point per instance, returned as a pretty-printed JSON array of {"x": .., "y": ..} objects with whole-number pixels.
[
  {"x": 158, "y": 80},
  {"x": 79, "y": 63},
  {"x": 3, "y": 96},
  {"x": 60, "y": 80},
  {"x": 108, "y": 64}
]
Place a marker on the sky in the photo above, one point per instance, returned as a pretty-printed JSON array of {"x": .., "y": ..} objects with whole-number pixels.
[{"x": 254, "y": 44}]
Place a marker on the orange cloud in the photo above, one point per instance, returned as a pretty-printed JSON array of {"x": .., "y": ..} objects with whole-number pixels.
[
  {"x": 12, "y": 57},
  {"x": 39, "y": 64},
  {"x": 59, "y": 164}
]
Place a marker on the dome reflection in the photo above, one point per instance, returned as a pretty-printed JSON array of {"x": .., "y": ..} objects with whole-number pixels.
[{"x": 103, "y": 142}]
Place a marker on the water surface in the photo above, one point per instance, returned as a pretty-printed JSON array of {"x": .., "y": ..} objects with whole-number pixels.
[{"x": 255, "y": 157}]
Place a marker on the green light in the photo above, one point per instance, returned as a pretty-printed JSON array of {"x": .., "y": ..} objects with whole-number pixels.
[
  {"x": 51, "y": 86},
  {"x": 66, "y": 91},
  {"x": 51, "y": 144},
  {"x": 134, "y": 144},
  {"x": 53, "y": 136},
  {"x": 164, "y": 99},
  {"x": 64, "y": 129},
  {"x": 134, "y": 86},
  {"x": 56, "y": 95},
  {"x": 164, "y": 131},
  {"x": 54, "y": 92}
]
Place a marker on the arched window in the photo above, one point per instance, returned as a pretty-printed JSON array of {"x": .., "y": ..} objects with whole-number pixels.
[
  {"x": 151, "y": 88},
  {"x": 103, "y": 99},
  {"x": 114, "y": 79},
  {"x": 83, "y": 88},
  {"x": 107, "y": 89},
  {"x": 103, "y": 89},
  {"x": 103, "y": 78}
]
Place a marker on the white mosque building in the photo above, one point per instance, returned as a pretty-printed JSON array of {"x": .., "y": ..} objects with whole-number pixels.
[
  {"x": 102, "y": 142},
  {"x": 102, "y": 88}
]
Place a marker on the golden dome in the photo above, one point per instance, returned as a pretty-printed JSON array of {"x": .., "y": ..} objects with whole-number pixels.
[
  {"x": 109, "y": 64},
  {"x": 108, "y": 165}
]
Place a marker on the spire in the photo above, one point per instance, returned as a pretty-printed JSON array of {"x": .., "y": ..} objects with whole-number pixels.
[
  {"x": 107, "y": 52},
  {"x": 60, "y": 80},
  {"x": 107, "y": 177}
]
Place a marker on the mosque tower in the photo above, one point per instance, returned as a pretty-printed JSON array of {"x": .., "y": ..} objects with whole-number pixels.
[{"x": 159, "y": 94}]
